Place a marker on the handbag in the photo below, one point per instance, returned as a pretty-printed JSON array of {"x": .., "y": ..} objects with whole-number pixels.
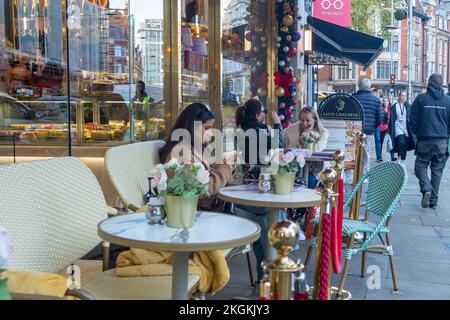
[{"x": 389, "y": 145}]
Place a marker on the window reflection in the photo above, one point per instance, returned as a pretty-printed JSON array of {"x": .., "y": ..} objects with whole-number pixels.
[{"x": 194, "y": 51}]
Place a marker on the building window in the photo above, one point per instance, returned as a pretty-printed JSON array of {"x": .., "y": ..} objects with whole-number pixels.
[
  {"x": 394, "y": 43},
  {"x": 342, "y": 73},
  {"x": 383, "y": 71}
]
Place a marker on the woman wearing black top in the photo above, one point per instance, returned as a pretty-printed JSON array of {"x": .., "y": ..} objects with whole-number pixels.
[{"x": 252, "y": 116}]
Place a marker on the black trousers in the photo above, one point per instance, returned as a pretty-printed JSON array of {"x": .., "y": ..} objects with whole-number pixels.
[
  {"x": 431, "y": 154},
  {"x": 401, "y": 144}
]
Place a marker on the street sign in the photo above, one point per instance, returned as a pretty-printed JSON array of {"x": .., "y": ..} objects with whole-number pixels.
[
  {"x": 318, "y": 58},
  {"x": 343, "y": 116}
]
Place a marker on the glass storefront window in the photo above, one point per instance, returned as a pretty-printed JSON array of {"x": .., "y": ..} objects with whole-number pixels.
[
  {"x": 195, "y": 39},
  {"x": 33, "y": 74},
  {"x": 92, "y": 53}
]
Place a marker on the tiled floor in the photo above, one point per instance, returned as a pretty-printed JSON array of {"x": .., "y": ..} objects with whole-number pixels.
[{"x": 421, "y": 240}]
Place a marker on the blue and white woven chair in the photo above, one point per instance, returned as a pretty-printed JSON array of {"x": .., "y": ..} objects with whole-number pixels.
[{"x": 386, "y": 184}]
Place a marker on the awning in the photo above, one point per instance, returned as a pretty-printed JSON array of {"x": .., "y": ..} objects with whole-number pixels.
[{"x": 345, "y": 43}]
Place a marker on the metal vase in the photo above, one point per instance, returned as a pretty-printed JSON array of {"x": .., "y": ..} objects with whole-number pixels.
[
  {"x": 284, "y": 183},
  {"x": 180, "y": 211}
]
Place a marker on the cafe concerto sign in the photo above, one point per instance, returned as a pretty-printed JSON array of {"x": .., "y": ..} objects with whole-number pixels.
[{"x": 334, "y": 11}]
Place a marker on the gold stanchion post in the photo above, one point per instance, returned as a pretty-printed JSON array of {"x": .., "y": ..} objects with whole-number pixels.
[
  {"x": 359, "y": 171},
  {"x": 283, "y": 236},
  {"x": 329, "y": 179}
]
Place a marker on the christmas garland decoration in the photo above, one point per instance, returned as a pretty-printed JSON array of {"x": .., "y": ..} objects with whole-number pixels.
[
  {"x": 257, "y": 35},
  {"x": 286, "y": 42}
]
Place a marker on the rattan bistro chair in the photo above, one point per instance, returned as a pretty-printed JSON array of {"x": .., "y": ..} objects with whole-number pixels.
[
  {"x": 386, "y": 184},
  {"x": 128, "y": 168},
  {"x": 52, "y": 209}
]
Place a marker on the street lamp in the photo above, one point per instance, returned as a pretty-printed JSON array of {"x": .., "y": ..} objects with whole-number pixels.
[{"x": 308, "y": 39}]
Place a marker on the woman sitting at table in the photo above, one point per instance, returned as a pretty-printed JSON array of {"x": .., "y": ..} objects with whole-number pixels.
[
  {"x": 309, "y": 122},
  {"x": 196, "y": 121},
  {"x": 249, "y": 117}
]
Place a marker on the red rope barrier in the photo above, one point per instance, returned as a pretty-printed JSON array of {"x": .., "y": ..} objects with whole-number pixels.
[
  {"x": 325, "y": 257},
  {"x": 336, "y": 232}
]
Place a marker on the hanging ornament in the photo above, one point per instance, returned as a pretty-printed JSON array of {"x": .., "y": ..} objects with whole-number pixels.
[
  {"x": 262, "y": 92},
  {"x": 259, "y": 64},
  {"x": 288, "y": 37},
  {"x": 282, "y": 63},
  {"x": 297, "y": 36},
  {"x": 286, "y": 49},
  {"x": 253, "y": 20},
  {"x": 263, "y": 38},
  {"x": 282, "y": 105},
  {"x": 256, "y": 49},
  {"x": 279, "y": 92},
  {"x": 278, "y": 45},
  {"x": 278, "y": 38},
  {"x": 292, "y": 52},
  {"x": 282, "y": 117},
  {"x": 288, "y": 20}
]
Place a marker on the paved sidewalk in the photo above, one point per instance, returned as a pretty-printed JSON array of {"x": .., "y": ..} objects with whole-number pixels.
[{"x": 421, "y": 241}]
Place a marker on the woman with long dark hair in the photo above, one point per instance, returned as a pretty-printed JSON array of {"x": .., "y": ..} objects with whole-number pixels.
[
  {"x": 194, "y": 125},
  {"x": 384, "y": 127},
  {"x": 252, "y": 116}
]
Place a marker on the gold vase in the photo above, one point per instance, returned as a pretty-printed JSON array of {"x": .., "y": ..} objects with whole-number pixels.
[
  {"x": 312, "y": 147},
  {"x": 180, "y": 211},
  {"x": 284, "y": 183}
]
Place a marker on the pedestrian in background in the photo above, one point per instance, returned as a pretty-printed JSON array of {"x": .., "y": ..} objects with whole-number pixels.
[
  {"x": 399, "y": 127},
  {"x": 371, "y": 105},
  {"x": 430, "y": 122},
  {"x": 384, "y": 128}
]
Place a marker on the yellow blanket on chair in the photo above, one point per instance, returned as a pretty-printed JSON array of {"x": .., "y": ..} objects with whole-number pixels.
[
  {"x": 36, "y": 283},
  {"x": 211, "y": 266}
]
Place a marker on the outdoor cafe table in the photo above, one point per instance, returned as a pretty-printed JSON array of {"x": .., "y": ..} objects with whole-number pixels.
[
  {"x": 211, "y": 231},
  {"x": 248, "y": 196}
]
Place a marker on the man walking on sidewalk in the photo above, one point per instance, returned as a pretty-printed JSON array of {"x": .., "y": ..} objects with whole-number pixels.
[{"x": 430, "y": 122}]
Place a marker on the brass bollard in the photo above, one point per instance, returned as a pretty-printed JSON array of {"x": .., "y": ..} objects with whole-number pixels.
[
  {"x": 283, "y": 236},
  {"x": 359, "y": 172}
]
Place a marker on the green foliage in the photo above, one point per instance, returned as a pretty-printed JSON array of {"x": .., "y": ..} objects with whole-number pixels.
[
  {"x": 4, "y": 295},
  {"x": 182, "y": 182},
  {"x": 363, "y": 10}
]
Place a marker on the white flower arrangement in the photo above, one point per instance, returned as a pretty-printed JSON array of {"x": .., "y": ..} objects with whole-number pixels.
[
  {"x": 309, "y": 138},
  {"x": 177, "y": 179},
  {"x": 285, "y": 160}
]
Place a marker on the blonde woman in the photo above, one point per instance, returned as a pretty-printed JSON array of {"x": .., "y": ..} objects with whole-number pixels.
[{"x": 309, "y": 122}]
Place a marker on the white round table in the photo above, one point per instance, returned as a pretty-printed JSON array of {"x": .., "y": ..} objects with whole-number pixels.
[
  {"x": 211, "y": 231},
  {"x": 247, "y": 195}
]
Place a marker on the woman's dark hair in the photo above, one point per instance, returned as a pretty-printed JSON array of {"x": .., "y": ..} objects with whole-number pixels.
[
  {"x": 187, "y": 118},
  {"x": 246, "y": 115}
]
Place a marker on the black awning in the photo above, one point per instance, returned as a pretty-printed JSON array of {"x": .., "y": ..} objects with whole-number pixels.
[{"x": 345, "y": 43}]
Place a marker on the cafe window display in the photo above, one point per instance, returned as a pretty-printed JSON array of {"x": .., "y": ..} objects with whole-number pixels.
[
  {"x": 92, "y": 53},
  {"x": 53, "y": 52}
]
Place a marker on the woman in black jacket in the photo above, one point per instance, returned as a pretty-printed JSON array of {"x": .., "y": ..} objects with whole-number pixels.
[
  {"x": 250, "y": 117},
  {"x": 399, "y": 127}
]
